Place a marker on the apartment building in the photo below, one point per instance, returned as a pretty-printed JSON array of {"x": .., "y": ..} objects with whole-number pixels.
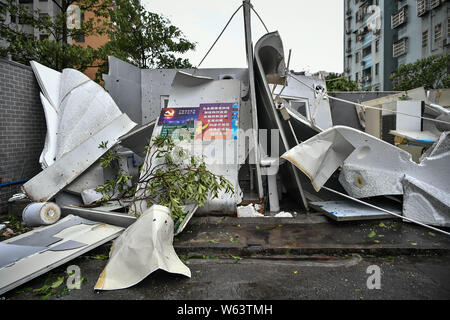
[
  {"x": 381, "y": 35},
  {"x": 46, "y": 7}
]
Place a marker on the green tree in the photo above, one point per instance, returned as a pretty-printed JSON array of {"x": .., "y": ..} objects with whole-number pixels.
[
  {"x": 56, "y": 51},
  {"x": 431, "y": 73},
  {"x": 143, "y": 38},
  {"x": 338, "y": 82}
]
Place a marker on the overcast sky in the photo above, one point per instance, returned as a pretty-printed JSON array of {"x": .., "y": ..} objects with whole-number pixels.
[{"x": 313, "y": 29}]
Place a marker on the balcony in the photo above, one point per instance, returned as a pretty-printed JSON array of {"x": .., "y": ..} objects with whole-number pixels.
[
  {"x": 399, "y": 17},
  {"x": 434, "y": 4},
  {"x": 422, "y": 7},
  {"x": 400, "y": 48}
]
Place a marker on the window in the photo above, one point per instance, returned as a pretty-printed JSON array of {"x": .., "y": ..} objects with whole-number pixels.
[
  {"x": 399, "y": 18},
  {"x": 43, "y": 15},
  {"x": 377, "y": 45},
  {"x": 400, "y": 48},
  {"x": 421, "y": 7},
  {"x": 377, "y": 69},
  {"x": 357, "y": 57},
  {"x": 425, "y": 39},
  {"x": 43, "y": 36},
  {"x": 349, "y": 45},
  {"x": 448, "y": 27},
  {"x": 357, "y": 77},
  {"x": 437, "y": 32},
  {"x": 348, "y": 63},
  {"x": 80, "y": 38}
]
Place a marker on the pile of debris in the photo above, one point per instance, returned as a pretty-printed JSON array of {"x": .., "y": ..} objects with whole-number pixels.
[{"x": 207, "y": 115}]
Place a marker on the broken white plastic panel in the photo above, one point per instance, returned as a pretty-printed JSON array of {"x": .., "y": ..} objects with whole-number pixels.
[
  {"x": 41, "y": 213},
  {"x": 74, "y": 237},
  {"x": 347, "y": 210},
  {"x": 283, "y": 214},
  {"x": 370, "y": 166},
  {"x": 90, "y": 196},
  {"x": 426, "y": 202},
  {"x": 85, "y": 109},
  {"x": 49, "y": 81},
  {"x": 146, "y": 246},
  {"x": 317, "y": 106},
  {"x": 409, "y": 116},
  {"x": 269, "y": 168},
  {"x": 249, "y": 211},
  {"x": 76, "y": 108},
  {"x": 48, "y": 154},
  {"x": 52, "y": 180}
]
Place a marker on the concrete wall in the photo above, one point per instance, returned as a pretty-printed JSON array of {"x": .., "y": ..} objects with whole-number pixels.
[{"x": 22, "y": 127}]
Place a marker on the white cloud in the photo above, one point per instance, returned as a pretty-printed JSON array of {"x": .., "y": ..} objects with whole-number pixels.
[{"x": 313, "y": 29}]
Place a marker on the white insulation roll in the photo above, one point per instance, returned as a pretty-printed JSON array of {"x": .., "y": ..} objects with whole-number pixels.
[{"x": 41, "y": 213}]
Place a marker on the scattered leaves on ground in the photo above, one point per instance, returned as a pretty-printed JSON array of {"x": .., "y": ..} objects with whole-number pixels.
[
  {"x": 371, "y": 234},
  {"x": 235, "y": 258}
]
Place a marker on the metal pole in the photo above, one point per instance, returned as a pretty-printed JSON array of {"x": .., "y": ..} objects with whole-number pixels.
[{"x": 251, "y": 75}]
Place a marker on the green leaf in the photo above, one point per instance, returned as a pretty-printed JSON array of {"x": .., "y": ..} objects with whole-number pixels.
[
  {"x": 236, "y": 259},
  {"x": 57, "y": 283},
  {"x": 100, "y": 257},
  {"x": 371, "y": 234}
]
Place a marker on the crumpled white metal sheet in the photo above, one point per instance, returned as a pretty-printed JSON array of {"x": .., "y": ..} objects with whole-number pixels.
[
  {"x": 85, "y": 109},
  {"x": 45, "y": 185},
  {"x": 75, "y": 107},
  {"x": 372, "y": 167},
  {"x": 146, "y": 246},
  {"x": 48, "y": 154},
  {"x": 80, "y": 115},
  {"x": 426, "y": 202},
  {"x": 49, "y": 81},
  {"x": 74, "y": 237}
]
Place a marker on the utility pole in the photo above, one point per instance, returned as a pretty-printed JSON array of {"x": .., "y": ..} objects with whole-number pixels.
[{"x": 251, "y": 77}]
